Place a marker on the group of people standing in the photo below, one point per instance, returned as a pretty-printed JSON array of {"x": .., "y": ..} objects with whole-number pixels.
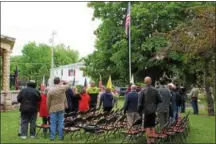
[
  {"x": 164, "y": 102},
  {"x": 53, "y": 102}
]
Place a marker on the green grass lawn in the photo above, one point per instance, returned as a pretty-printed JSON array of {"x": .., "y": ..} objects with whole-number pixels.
[{"x": 202, "y": 129}]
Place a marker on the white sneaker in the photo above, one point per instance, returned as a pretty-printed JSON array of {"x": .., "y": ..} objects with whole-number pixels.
[
  {"x": 32, "y": 137},
  {"x": 23, "y": 137}
]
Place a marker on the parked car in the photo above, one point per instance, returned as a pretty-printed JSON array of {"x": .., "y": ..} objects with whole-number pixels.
[{"x": 122, "y": 91}]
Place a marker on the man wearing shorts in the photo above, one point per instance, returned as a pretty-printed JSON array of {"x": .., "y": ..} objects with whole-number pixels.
[{"x": 149, "y": 99}]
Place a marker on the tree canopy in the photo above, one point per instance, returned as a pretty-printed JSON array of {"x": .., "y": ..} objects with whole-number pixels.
[
  {"x": 149, "y": 22},
  {"x": 195, "y": 38},
  {"x": 35, "y": 60}
]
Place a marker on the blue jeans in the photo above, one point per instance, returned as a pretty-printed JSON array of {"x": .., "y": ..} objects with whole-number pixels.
[
  {"x": 183, "y": 107},
  {"x": 26, "y": 118},
  {"x": 56, "y": 118},
  {"x": 175, "y": 116},
  {"x": 195, "y": 106},
  {"x": 20, "y": 124}
]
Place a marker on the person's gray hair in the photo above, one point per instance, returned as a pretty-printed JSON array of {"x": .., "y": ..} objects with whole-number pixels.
[
  {"x": 32, "y": 81},
  {"x": 133, "y": 87}
]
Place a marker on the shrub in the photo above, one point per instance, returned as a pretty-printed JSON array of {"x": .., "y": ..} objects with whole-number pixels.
[{"x": 79, "y": 88}]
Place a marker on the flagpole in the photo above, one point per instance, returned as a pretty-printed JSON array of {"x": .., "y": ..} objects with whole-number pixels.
[
  {"x": 52, "y": 60},
  {"x": 129, "y": 41}
]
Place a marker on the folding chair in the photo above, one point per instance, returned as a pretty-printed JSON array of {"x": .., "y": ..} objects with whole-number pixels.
[
  {"x": 181, "y": 127},
  {"x": 89, "y": 119},
  {"x": 121, "y": 111},
  {"x": 161, "y": 136},
  {"x": 42, "y": 126},
  {"x": 133, "y": 131},
  {"x": 187, "y": 123},
  {"x": 109, "y": 126},
  {"x": 95, "y": 130},
  {"x": 119, "y": 125},
  {"x": 70, "y": 128},
  {"x": 116, "y": 111},
  {"x": 71, "y": 114}
]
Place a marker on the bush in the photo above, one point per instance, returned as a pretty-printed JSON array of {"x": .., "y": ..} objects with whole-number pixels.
[
  {"x": 79, "y": 88},
  {"x": 140, "y": 84}
]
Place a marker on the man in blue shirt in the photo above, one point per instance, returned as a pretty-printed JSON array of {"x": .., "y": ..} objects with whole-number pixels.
[{"x": 130, "y": 106}]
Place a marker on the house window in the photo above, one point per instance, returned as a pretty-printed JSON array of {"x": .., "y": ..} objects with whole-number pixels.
[{"x": 71, "y": 72}]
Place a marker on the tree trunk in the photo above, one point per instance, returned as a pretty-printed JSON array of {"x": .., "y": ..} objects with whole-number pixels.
[
  {"x": 215, "y": 76},
  {"x": 0, "y": 72},
  {"x": 209, "y": 98}
]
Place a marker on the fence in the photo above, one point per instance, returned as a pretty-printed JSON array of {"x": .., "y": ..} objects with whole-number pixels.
[{"x": 13, "y": 95}]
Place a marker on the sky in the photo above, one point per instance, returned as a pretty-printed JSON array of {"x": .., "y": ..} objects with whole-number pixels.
[{"x": 35, "y": 21}]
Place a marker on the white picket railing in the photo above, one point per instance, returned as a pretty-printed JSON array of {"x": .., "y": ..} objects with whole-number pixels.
[{"x": 13, "y": 95}]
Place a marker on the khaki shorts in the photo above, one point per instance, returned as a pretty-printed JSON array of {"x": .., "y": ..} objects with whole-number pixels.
[{"x": 131, "y": 118}]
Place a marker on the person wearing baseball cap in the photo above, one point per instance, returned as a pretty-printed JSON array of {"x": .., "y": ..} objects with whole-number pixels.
[{"x": 29, "y": 98}]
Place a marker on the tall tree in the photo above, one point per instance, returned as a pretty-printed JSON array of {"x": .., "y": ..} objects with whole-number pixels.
[
  {"x": 35, "y": 60},
  {"x": 64, "y": 55},
  {"x": 196, "y": 39},
  {"x": 147, "y": 19}
]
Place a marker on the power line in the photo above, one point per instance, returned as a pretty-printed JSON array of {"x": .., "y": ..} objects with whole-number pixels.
[{"x": 28, "y": 63}]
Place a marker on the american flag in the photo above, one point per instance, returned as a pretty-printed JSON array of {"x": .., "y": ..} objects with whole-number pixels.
[{"x": 128, "y": 19}]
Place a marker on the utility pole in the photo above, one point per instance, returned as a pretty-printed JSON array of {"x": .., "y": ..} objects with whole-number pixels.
[{"x": 52, "y": 60}]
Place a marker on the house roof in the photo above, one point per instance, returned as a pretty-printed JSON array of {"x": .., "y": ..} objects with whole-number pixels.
[{"x": 79, "y": 64}]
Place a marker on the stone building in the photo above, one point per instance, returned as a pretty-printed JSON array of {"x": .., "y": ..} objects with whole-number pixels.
[{"x": 6, "y": 48}]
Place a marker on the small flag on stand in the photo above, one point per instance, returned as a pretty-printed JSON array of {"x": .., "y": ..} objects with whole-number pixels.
[
  {"x": 85, "y": 83},
  {"x": 16, "y": 79},
  {"x": 109, "y": 83},
  {"x": 100, "y": 85},
  {"x": 42, "y": 86},
  {"x": 132, "y": 80},
  {"x": 73, "y": 84},
  {"x": 74, "y": 81}
]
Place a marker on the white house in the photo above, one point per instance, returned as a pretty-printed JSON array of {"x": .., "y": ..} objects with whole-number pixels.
[{"x": 68, "y": 72}]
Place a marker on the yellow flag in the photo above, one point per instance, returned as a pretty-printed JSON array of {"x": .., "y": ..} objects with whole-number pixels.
[{"x": 109, "y": 83}]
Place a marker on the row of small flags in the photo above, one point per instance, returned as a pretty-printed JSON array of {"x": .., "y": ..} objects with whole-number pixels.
[
  {"x": 100, "y": 85},
  {"x": 109, "y": 82}
]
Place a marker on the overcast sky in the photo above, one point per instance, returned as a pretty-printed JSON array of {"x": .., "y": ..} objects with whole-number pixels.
[{"x": 35, "y": 21}]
